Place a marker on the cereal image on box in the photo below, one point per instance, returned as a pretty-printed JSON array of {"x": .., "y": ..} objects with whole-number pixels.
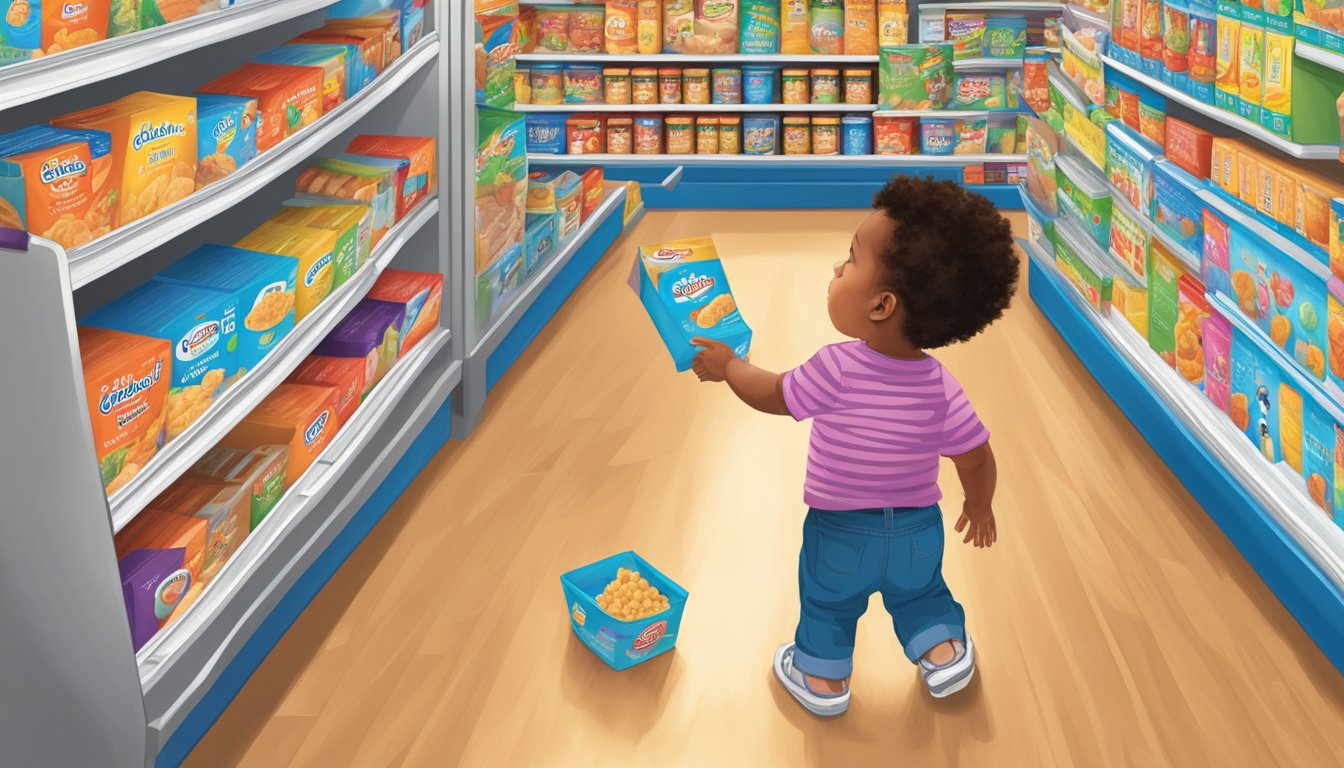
[
  {"x": 685, "y": 291},
  {"x": 226, "y": 136},
  {"x": 372, "y": 332},
  {"x": 302, "y": 417},
  {"x": 598, "y": 609},
  {"x": 159, "y": 557},
  {"x": 225, "y": 507},
  {"x": 47, "y": 186},
  {"x": 331, "y": 59},
  {"x": 314, "y": 248},
  {"x": 153, "y": 139},
  {"x": 67, "y": 25},
  {"x": 288, "y": 98},
  {"x": 125, "y": 381}
]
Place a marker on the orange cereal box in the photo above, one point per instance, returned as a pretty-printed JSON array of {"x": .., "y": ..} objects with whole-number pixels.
[
  {"x": 69, "y": 24},
  {"x": 417, "y": 180},
  {"x": 385, "y": 24},
  {"x": 153, "y": 149},
  {"x": 288, "y": 97},
  {"x": 346, "y": 374},
  {"x": 47, "y": 187},
  {"x": 420, "y": 292},
  {"x": 304, "y": 417},
  {"x": 225, "y": 507},
  {"x": 126, "y": 385}
]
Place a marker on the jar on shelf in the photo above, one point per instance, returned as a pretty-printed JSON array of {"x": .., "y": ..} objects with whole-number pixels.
[
  {"x": 669, "y": 85},
  {"x": 758, "y": 85},
  {"x": 680, "y": 135},
  {"x": 616, "y": 85},
  {"x": 707, "y": 135},
  {"x": 760, "y": 135},
  {"x": 795, "y": 86},
  {"x": 825, "y": 86},
  {"x": 856, "y": 135},
  {"x": 727, "y": 85},
  {"x": 649, "y": 135},
  {"x": 797, "y": 135},
  {"x": 825, "y": 135},
  {"x": 620, "y": 136},
  {"x": 548, "y": 84},
  {"x": 522, "y": 85},
  {"x": 730, "y": 135},
  {"x": 644, "y": 85},
  {"x": 583, "y": 84},
  {"x": 695, "y": 85},
  {"x": 858, "y": 86}
]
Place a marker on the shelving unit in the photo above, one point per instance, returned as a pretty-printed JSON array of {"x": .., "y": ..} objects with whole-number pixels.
[
  {"x": 775, "y": 160},
  {"x": 1305, "y": 50},
  {"x": 689, "y": 108}
]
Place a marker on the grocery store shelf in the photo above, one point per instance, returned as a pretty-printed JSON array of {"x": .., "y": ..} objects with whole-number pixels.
[
  {"x": 814, "y": 160},
  {"x": 39, "y": 78},
  {"x": 180, "y": 664},
  {"x": 694, "y": 108},
  {"x": 987, "y": 63},
  {"x": 993, "y": 5},
  {"x": 124, "y": 245},
  {"x": 1305, "y": 50},
  {"x": 1303, "y": 151},
  {"x": 179, "y": 455},
  {"x": 688, "y": 58},
  {"x": 1264, "y": 512},
  {"x": 944, "y": 113}
]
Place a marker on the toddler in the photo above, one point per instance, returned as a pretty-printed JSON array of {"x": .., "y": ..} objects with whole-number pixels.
[{"x": 932, "y": 265}]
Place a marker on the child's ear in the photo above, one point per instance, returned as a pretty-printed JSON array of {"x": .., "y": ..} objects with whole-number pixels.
[{"x": 884, "y": 307}]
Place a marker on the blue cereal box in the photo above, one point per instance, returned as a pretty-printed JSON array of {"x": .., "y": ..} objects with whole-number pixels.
[
  {"x": 543, "y": 234},
  {"x": 546, "y": 134},
  {"x": 685, "y": 291},
  {"x": 263, "y": 285},
  {"x": 622, "y": 644},
  {"x": 226, "y": 135},
  {"x": 200, "y": 324}
]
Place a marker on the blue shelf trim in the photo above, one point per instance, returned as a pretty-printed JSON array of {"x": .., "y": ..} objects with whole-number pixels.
[
  {"x": 1298, "y": 583},
  {"x": 212, "y": 705},
  {"x": 549, "y": 301}
]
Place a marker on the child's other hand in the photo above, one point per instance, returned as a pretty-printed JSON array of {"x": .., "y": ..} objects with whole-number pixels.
[
  {"x": 711, "y": 363},
  {"x": 978, "y": 523}
]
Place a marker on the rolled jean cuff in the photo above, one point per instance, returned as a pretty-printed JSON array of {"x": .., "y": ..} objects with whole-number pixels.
[
  {"x": 929, "y": 637},
  {"x": 830, "y": 669}
]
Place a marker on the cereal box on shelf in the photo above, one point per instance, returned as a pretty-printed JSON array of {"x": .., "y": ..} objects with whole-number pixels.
[
  {"x": 546, "y": 134},
  {"x": 501, "y": 185},
  {"x": 367, "y": 179},
  {"x": 498, "y": 284},
  {"x": 619, "y": 642},
  {"x": 411, "y": 15},
  {"x": 685, "y": 290},
  {"x": 418, "y": 179},
  {"x": 1129, "y": 164},
  {"x": 302, "y": 417},
  {"x": 542, "y": 239},
  {"x": 126, "y": 385},
  {"x": 364, "y": 53},
  {"x": 226, "y": 509},
  {"x": 371, "y": 332},
  {"x": 200, "y": 325},
  {"x": 331, "y": 59},
  {"x": 383, "y": 24},
  {"x": 153, "y": 143},
  {"x": 47, "y": 187},
  {"x": 1169, "y": 278},
  {"x": 345, "y": 374},
  {"x": 495, "y": 50},
  {"x": 1318, "y": 456},
  {"x": 226, "y": 136},
  {"x": 1218, "y": 361},
  {"x": 314, "y": 248},
  {"x": 1177, "y": 209},
  {"x": 263, "y": 288},
  {"x": 1083, "y": 264},
  {"x": 421, "y": 293},
  {"x": 288, "y": 98},
  {"x": 261, "y": 471},
  {"x": 915, "y": 77},
  {"x": 1083, "y": 195},
  {"x": 69, "y": 25},
  {"x": 351, "y": 222},
  {"x": 159, "y": 558}
]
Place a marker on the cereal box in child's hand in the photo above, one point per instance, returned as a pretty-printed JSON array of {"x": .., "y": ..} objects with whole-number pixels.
[
  {"x": 126, "y": 383},
  {"x": 314, "y": 248},
  {"x": 346, "y": 374},
  {"x": 351, "y": 222},
  {"x": 302, "y": 417},
  {"x": 288, "y": 97},
  {"x": 261, "y": 471},
  {"x": 685, "y": 291},
  {"x": 365, "y": 178},
  {"x": 417, "y": 180},
  {"x": 226, "y": 136},
  {"x": 421, "y": 293}
]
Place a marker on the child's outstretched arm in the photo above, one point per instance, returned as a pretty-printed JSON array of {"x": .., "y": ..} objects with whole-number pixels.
[
  {"x": 757, "y": 387},
  {"x": 978, "y": 474}
]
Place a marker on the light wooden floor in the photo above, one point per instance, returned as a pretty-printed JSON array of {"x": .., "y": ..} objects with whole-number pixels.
[{"x": 1115, "y": 624}]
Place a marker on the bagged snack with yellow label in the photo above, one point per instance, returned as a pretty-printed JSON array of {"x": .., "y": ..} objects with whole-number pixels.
[
  {"x": 685, "y": 291},
  {"x": 315, "y": 250}
]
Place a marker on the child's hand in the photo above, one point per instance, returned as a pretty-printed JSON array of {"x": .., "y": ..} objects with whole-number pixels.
[
  {"x": 978, "y": 523},
  {"x": 711, "y": 363}
]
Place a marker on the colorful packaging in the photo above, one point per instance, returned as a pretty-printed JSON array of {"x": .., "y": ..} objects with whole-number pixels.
[
  {"x": 727, "y": 85},
  {"x": 1177, "y": 210},
  {"x": 1125, "y": 31},
  {"x": 937, "y": 137},
  {"x": 363, "y": 178},
  {"x": 156, "y": 13},
  {"x": 153, "y": 143},
  {"x": 48, "y": 190},
  {"x": 827, "y": 27},
  {"x": 619, "y": 643},
  {"x": 1166, "y": 273},
  {"x": 124, "y": 381},
  {"x": 419, "y": 179},
  {"x": 1081, "y": 262},
  {"x": 1276, "y": 106},
  {"x": 1005, "y": 36},
  {"x": 1042, "y": 148},
  {"x": 1335, "y": 333},
  {"x": 620, "y": 28},
  {"x": 856, "y": 135},
  {"x": 971, "y": 137},
  {"x": 761, "y": 26},
  {"x": 421, "y": 296},
  {"x": 648, "y": 27},
  {"x": 1216, "y": 264},
  {"x": 226, "y": 136},
  {"x": 893, "y": 23},
  {"x": 895, "y": 135},
  {"x": 226, "y": 509},
  {"x": 584, "y": 135},
  {"x": 344, "y": 374},
  {"x": 1130, "y": 237},
  {"x": 331, "y": 59},
  {"x": 495, "y": 50},
  {"x": 1081, "y": 63},
  {"x": 410, "y": 15},
  {"x": 758, "y": 85},
  {"x": 1129, "y": 164},
  {"x": 261, "y": 472},
  {"x": 1084, "y": 195},
  {"x": 1151, "y": 43},
  {"x": 978, "y": 91},
  {"x": 1175, "y": 43},
  {"x": 363, "y": 53},
  {"x": 1035, "y": 80},
  {"x": 496, "y": 286},
  {"x": 861, "y": 31},
  {"x": 159, "y": 559},
  {"x": 1227, "y": 57},
  {"x": 1087, "y": 136},
  {"x": 501, "y": 185},
  {"x": 315, "y": 250},
  {"x": 63, "y": 25},
  {"x": 1251, "y": 68},
  {"x": 1218, "y": 362},
  {"x": 302, "y": 417},
  {"x": 546, "y": 134},
  {"x": 201, "y": 326},
  {"x": 552, "y": 31},
  {"x": 582, "y": 84},
  {"x": 685, "y": 291},
  {"x": 1190, "y": 148},
  {"x": 542, "y": 239},
  {"x": 966, "y": 32},
  {"x": 795, "y": 27},
  {"x": 351, "y": 223},
  {"x": 289, "y": 98},
  {"x": 1318, "y": 460},
  {"x": 1203, "y": 50},
  {"x": 915, "y": 77},
  {"x": 714, "y": 27}
]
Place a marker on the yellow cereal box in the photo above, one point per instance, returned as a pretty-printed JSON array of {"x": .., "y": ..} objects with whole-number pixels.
[
  {"x": 351, "y": 222},
  {"x": 153, "y": 149},
  {"x": 314, "y": 248}
]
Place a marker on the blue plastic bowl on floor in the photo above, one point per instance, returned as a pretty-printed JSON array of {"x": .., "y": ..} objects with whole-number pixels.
[{"x": 622, "y": 644}]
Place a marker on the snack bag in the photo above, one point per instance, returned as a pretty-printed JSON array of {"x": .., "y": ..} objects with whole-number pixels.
[
  {"x": 123, "y": 17},
  {"x": 302, "y": 417},
  {"x": 1250, "y": 69},
  {"x": 1276, "y": 106},
  {"x": 260, "y": 471},
  {"x": 315, "y": 250},
  {"x": 649, "y": 27},
  {"x": 915, "y": 77},
  {"x": 552, "y": 29},
  {"x": 345, "y": 374},
  {"x": 226, "y": 136},
  {"x": 421, "y": 293},
  {"x": 20, "y": 30},
  {"x": 67, "y": 25},
  {"x": 966, "y": 32},
  {"x": 1227, "y": 56},
  {"x": 127, "y": 390},
  {"x": 352, "y": 223},
  {"x": 153, "y": 142},
  {"x": 501, "y": 185},
  {"x": 860, "y": 28},
  {"x": 371, "y": 332},
  {"x": 715, "y": 29},
  {"x": 1150, "y": 37},
  {"x": 760, "y": 26},
  {"x": 418, "y": 180},
  {"x": 685, "y": 291},
  {"x": 795, "y": 28},
  {"x": 893, "y": 23},
  {"x": 367, "y": 179},
  {"x": 827, "y": 32},
  {"x": 619, "y": 30},
  {"x": 331, "y": 59}
]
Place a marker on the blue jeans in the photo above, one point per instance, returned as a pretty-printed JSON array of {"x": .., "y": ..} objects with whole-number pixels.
[{"x": 846, "y": 557}]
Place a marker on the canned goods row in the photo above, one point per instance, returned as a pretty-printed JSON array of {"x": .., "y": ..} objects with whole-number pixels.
[{"x": 551, "y": 84}]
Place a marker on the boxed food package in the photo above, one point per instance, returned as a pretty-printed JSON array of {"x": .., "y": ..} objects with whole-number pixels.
[
  {"x": 331, "y": 59},
  {"x": 979, "y": 91},
  {"x": 684, "y": 289},
  {"x": 498, "y": 284},
  {"x": 501, "y": 185},
  {"x": 47, "y": 187},
  {"x": 542, "y": 240},
  {"x": 1084, "y": 196},
  {"x": 1218, "y": 360},
  {"x": 546, "y": 134},
  {"x": 915, "y": 77},
  {"x": 619, "y": 31},
  {"x": 1177, "y": 210},
  {"x": 261, "y": 471},
  {"x": 226, "y": 509},
  {"x": 893, "y": 23},
  {"x": 1318, "y": 455},
  {"x": 1190, "y": 148},
  {"x": 226, "y": 135},
  {"x": 371, "y": 332},
  {"x": 345, "y": 374},
  {"x": 1251, "y": 65},
  {"x": 102, "y": 215},
  {"x": 262, "y": 285},
  {"x": 495, "y": 49},
  {"x": 620, "y": 643},
  {"x": 1129, "y": 164},
  {"x": 159, "y": 558},
  {"x": 302, "y": 417},
  {"x": 384, "y": 24},
  {"x": 350, "y": 222},
  {"x": 156, "y": 13},
  {"x": 153, "y": 150},
  {"x": 127, "y": 391},
  {"x": 1083, "y": 264},
  {"x": 1227, "y": 56},
  {"x": 314, "y": 248},
  {"x": 364, "y": 52},
  {"x": 289, "y": 98},
  {"x": 418, "y": 179},
  {"x": 421, "y": 295},
  {"x": 966, "y": 32},
  {"x": 201, "y": 326},
  {"x": 364, "y": 178},
  {"x": 1130, "y": 237},
  {"x": 591, "y": 189},
  {"x": 760, "y": 27},
  {"x": 410, "y": 15},
  {"x": 1042, "y": 149}
]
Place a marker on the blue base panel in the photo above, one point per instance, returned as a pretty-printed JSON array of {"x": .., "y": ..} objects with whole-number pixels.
[
  {"x": 785, "y": 187},
  {"x": 549, "y": 301},
  {"x": 1298, "y": 583},
  {"x": 212, "y": 705}
]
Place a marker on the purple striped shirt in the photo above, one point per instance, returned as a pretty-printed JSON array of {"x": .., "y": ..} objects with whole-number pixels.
[{"x": 879, "y": 425}]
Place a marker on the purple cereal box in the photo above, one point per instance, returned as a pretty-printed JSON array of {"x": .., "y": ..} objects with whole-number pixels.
[
  {"x": 153, "y": 582},
  {"x": 372, "y": 331}
]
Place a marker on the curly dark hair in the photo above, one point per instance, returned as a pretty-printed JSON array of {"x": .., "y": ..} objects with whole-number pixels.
[{"x": 951, "y": 261}]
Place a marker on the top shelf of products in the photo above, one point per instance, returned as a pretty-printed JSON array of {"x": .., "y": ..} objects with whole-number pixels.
[
  {"x": 39, "y": 78},
  {"x": 764, "y": 59},
  {"x": 991, "y": 5}
]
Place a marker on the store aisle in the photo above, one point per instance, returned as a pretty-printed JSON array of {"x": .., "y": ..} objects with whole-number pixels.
[{"x": 1115, "y": 624}]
